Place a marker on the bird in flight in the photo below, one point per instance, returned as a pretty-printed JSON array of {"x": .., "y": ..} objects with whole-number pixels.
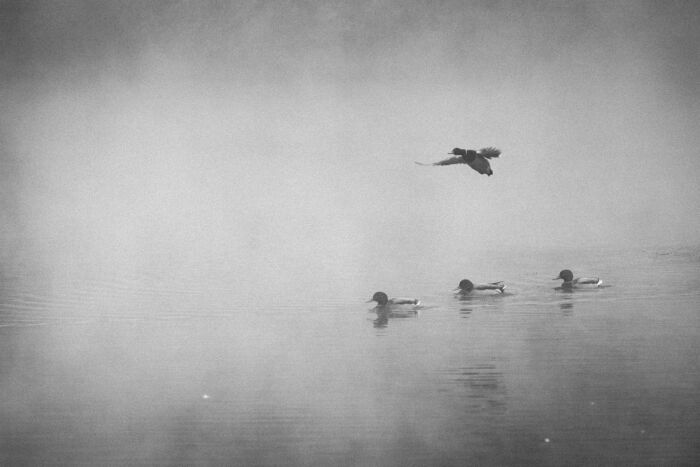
[{"x": 477, "y": 160}]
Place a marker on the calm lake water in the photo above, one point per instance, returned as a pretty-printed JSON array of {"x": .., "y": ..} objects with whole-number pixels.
[{"x": 209, "y": 366}]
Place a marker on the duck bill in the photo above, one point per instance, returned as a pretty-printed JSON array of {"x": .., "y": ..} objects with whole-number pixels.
[
  {"x": 369, "y": 301},
  {"x": 556, "y": 278}
]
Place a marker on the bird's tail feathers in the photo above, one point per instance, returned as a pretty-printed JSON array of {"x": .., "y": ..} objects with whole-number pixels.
[{"x": 490, "y": 152}]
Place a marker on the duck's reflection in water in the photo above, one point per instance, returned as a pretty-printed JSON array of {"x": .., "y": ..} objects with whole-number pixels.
[
  {"x": 465, "y": 308},
  {"x": 465, "y": 312},
  {"x": 567, "y": 304},
  {"x": 469, "y": 301},
  {"x": 384, "y": 314}
]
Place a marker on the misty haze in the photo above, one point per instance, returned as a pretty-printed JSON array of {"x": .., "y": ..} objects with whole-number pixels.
[{"x": 197, "y": 199}]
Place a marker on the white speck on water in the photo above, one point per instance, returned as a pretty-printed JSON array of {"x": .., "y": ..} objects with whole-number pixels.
[
  {"x": 205, "y": 396},
  {"x": 546, "y": 440}
]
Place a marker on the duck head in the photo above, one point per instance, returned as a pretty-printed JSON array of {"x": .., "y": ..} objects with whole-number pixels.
[
  {"x": 566, "y": 275},
  {"x": 380, "y": 297},
  {"x": 465, "y": 285}
]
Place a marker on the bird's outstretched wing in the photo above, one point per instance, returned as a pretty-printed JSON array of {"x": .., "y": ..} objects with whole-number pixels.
[
  {"x": 450, "y": 161},
  {"x": 489, "y": 152}
]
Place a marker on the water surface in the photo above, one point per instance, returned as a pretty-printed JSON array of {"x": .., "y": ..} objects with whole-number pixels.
[{"x": 199, "y": 366}]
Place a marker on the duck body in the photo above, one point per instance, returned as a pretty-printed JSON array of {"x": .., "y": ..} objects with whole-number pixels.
[
  {"x": 481, "y": 165},
  {"x": 579, "y": 282},
  {"x": 477, "y": 160},
  {"x": 383, "y": 301},
  {"x": 393, "y": 308},
  {"x": 467, "y": 287}
]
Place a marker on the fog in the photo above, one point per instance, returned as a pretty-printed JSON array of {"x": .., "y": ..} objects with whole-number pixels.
[
  {"x": 192, "y": 160},
  {"x": 272, "y": 138}
]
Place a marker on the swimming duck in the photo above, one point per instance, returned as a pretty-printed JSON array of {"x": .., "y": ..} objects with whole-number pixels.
[
  {"x": 384, "y": 301},
  {"x": 466, "y": 286},
  {"x": 477, "y": 160},
  {"x": 568, "y": 277}
]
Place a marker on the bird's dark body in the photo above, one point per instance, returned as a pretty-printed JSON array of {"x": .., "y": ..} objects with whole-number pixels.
[
  {"x": 469, "y": 156},
  {"x": 477, "y": 160}
]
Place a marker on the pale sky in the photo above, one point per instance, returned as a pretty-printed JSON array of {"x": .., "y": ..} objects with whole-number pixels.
[{"x": 135, "y": 130}]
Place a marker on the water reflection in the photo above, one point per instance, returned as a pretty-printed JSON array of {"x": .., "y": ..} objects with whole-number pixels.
[
  {"x": 465, "y": 312},
  {"x": 484, "y": 384},
  {"x": 566, "y": 304},
  {"x": 465, "y": 309},
  {"x": 382, "y": 320},
  {"x": 384, "y": 314},
  {"x": 469, "y": 301}
]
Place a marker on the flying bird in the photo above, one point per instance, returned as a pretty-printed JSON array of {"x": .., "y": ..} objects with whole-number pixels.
[{"x": 477, "y": 160}]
